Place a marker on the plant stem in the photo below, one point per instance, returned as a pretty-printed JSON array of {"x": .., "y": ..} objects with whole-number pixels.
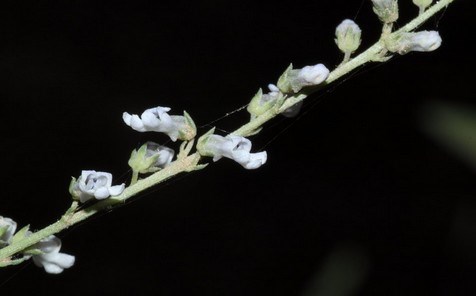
[
  {"x": 188, "y": 163},
  {"x": 179, "y": 166},
  {"x": 373, "y": 53},
  {"x": 135, "y": 177}
]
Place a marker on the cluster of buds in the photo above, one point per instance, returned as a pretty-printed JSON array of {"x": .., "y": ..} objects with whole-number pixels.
[
  {"x": 405, "y": 42},
  {"x": 46, "y": 253},
  {"x": 289, "y": 83}
]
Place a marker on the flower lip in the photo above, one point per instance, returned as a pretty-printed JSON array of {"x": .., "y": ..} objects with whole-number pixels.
[{"x": 51, "y": 259}]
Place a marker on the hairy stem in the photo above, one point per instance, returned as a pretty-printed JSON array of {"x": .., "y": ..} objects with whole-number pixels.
[
  {"x": 374, "y": 53},
  {"x": 189, "y": 163},
  {"x": 177, "y": 167}
]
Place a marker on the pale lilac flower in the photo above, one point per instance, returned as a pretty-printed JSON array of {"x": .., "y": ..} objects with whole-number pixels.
[
  {"x": 158, "y": 120},
  {"x": 51, "y": 259},
  {"x": 7, "y": 229},
  {"x": 95, "y": 184},
  {"x": 233, "y": 147}
]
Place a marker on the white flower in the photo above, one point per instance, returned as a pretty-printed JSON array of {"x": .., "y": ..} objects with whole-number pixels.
[
  {"x": 158, "y": 120},
  {"x": 52, "y": 260},
  {"x": 95, "y": 184},
  {"x": 348, "y": 36},
  {"x": 313, "y": 75},
  {"x": 7, "y": 229},
  {"x": 423, "y": 41},
  {"x": 293, "y": 80},
  {"x": 165, "y": 154},
  {"x": 234, "y": 147}
]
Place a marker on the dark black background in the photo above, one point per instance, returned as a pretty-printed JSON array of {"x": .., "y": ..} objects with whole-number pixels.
[{"x": 355, "y": 173}]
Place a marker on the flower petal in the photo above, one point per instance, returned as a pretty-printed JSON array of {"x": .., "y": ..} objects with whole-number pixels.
[
  {"x": 256, "y": 160},
  {"x": 136, "y": 123},
  {"x": 116, "y": 190},
  {"x": 64, "y": 260}
]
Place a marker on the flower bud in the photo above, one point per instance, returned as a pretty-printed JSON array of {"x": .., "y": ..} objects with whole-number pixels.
[
  {"x": 386, "y": 10},
  {"x": 422, "y": 4},
  {"x": 348, "y": 36},
  {"x": 423, "y": 41},
  {"x": 261, "y": 103},
  {"x": 293, "y": 80},
  {"x": 150, "y": 157}
]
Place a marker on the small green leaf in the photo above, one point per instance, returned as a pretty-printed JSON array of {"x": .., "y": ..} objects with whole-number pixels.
[
  {"x": 283, "y": 82},
  {"x": 21, "y": 234},
  {"x": 201, "y": 143}
]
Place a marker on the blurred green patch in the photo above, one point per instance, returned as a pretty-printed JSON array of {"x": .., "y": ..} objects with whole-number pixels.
[{"x": 454, "y": 127}]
